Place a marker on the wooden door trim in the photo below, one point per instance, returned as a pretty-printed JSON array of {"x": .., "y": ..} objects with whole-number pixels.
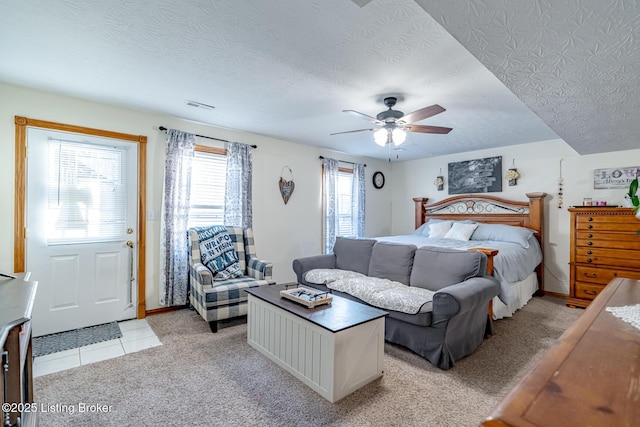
[{"x": 19, "y": 230}]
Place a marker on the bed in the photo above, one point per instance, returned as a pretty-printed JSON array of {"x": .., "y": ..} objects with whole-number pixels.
[{"x": 519, "y": 263}]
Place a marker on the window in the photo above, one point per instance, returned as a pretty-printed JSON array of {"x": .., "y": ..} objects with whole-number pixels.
[
  {"x": 86, "y": 193},
  {"x": 208, "y": 178},
  {"x": 343, "y": 202},
  {"x": 344, "y": 199}
]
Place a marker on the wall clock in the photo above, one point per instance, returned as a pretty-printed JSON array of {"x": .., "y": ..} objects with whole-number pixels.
[{"x": 378, "y": 179}]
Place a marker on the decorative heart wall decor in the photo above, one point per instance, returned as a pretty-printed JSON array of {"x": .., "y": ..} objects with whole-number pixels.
[{"x": 286, "y": 187}]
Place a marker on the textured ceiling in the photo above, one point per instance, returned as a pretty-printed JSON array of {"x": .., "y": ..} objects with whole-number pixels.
[
  {"x": 287, "y": 68},
  {"x": 575, "y": 63}
]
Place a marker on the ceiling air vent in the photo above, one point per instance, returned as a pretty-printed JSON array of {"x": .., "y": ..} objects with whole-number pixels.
[{"x": 200, "y": 105}]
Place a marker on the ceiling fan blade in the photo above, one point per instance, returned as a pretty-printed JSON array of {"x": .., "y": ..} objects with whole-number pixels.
[
  {"x": 422, "y": 114},
  {"x": 361, "y": 116},
  {"x": 351, "y": 131},
  {"x": 427, "y": 129}
]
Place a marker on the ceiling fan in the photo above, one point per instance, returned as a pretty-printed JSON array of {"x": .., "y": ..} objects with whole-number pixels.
[{"x": 394, "y": 124}]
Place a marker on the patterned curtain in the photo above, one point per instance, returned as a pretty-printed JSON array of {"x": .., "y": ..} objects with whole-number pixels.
[
  {"x": 237, "y": 197},
  {"x": 358, "y": 200},
  {"x": 174, "y": 254},
  {"x": 329, "y": 202}
]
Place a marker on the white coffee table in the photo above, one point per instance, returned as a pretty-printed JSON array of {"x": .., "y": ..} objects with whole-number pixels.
[{"x": 334, "y": 349}]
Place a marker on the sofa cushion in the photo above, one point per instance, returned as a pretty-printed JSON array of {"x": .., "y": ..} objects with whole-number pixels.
[
  {"x": 384, "y": 293},
  {"x": 322, "y": 276},
  {"x": 353, "y": 254},
  {"x": 422, "y": 318},
  {"x": 436, "y": 268},
  {"x": 392, "y": 261}
]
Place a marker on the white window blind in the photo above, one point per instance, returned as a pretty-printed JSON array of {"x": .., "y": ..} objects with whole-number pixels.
[
  {"x": 87, "y": 191},
  {"x": 208, "y": 178},
  {"x": 345, "y": 195}
]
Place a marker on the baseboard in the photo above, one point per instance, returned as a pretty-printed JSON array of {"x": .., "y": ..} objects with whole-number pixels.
[
  {"x": 165, "y": 310},
  {"x": 555, "y": 294}
]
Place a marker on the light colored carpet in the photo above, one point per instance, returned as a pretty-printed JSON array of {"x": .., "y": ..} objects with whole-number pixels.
[{"x": 197, "y": 378}]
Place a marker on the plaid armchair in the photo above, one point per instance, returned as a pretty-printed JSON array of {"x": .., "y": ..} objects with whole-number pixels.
[{"x": 219, "y": 300}]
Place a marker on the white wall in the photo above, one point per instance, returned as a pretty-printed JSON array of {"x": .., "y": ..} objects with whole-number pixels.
[
  {"x": 282, "y": 232},
  {"x": 539, "y": 168}
]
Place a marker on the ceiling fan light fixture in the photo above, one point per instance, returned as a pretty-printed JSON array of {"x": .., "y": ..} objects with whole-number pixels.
[
  {"x": 395, "y": 124},
  {"x": 398, "y": 136},
  {"x": 381, "y": 136}
]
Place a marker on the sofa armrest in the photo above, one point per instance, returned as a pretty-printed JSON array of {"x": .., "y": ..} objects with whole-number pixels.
[
  {"x": 302, "y": 265},
  {"x": 463, "y": 297},
  {"x": 201, "y": 274}
]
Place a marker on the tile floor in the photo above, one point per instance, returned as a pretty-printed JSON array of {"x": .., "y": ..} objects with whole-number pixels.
[{"x": 136, "y": 335}]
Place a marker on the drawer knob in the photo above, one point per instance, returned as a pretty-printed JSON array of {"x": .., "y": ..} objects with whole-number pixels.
[
  {"x": 589, "y": 260},
  {"x": 593, "y": 275},
  {"x": 589, "y": 226},
  {"x": 589, "y": 235},
  {"x": 589, "y": 252},
  {"x": 589, "y": 243},
  {"x": 590, "y": 292},
  {"x": 590, "y": 219},
  {"x": 615, "y": 274}
]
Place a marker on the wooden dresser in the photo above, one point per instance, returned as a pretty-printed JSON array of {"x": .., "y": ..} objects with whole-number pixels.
[
  {"x": 604, "y": 245},
  {"x": 16, "y": 381},
  {"x": 590, "y": 377}
]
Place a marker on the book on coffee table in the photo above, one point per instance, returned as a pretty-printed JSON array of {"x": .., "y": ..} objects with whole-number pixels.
[{"x": 308, "y": 297}]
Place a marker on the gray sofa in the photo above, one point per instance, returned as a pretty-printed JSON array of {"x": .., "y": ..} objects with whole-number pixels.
[{"x": 444, "y": 330}]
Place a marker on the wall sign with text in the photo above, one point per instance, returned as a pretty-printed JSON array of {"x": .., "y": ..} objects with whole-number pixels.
[{"x": 614, "y": 177}]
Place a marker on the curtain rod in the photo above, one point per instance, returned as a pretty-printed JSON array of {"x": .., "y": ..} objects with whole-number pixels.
[
  {"x": 344, "y": 161},
  {"x": 208, "y": 137}
]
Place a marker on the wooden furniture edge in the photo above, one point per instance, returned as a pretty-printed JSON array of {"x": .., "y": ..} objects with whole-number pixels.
[
  {"x": 419, "y": 204},
  {"x": 490, "y": 253},
  {"x": 515, "y": 403}
]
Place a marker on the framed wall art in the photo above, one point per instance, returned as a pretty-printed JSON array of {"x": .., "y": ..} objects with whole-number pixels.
[
  {"x": 476, "y": 176},
  {"x": 614, "y": 177}
]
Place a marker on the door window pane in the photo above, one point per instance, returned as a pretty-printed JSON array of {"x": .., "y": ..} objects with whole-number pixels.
[{"x": 86, "y": 193}]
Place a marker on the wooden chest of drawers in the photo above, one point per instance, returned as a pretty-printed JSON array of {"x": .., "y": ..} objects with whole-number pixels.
[{"x": 604, "y": 245}]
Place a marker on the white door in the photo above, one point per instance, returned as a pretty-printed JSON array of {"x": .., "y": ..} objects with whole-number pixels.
[{"x": 81, "y": 229}]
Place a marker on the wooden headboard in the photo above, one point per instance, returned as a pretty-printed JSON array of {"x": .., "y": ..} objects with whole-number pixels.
[{"x": 490, "y": 210}]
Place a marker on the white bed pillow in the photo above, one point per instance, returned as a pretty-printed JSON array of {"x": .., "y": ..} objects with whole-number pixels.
[
  {"x": 461, "y": 231},
  {"x": 439, "y": 229},
  {"x": 424, "y": 228}
]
